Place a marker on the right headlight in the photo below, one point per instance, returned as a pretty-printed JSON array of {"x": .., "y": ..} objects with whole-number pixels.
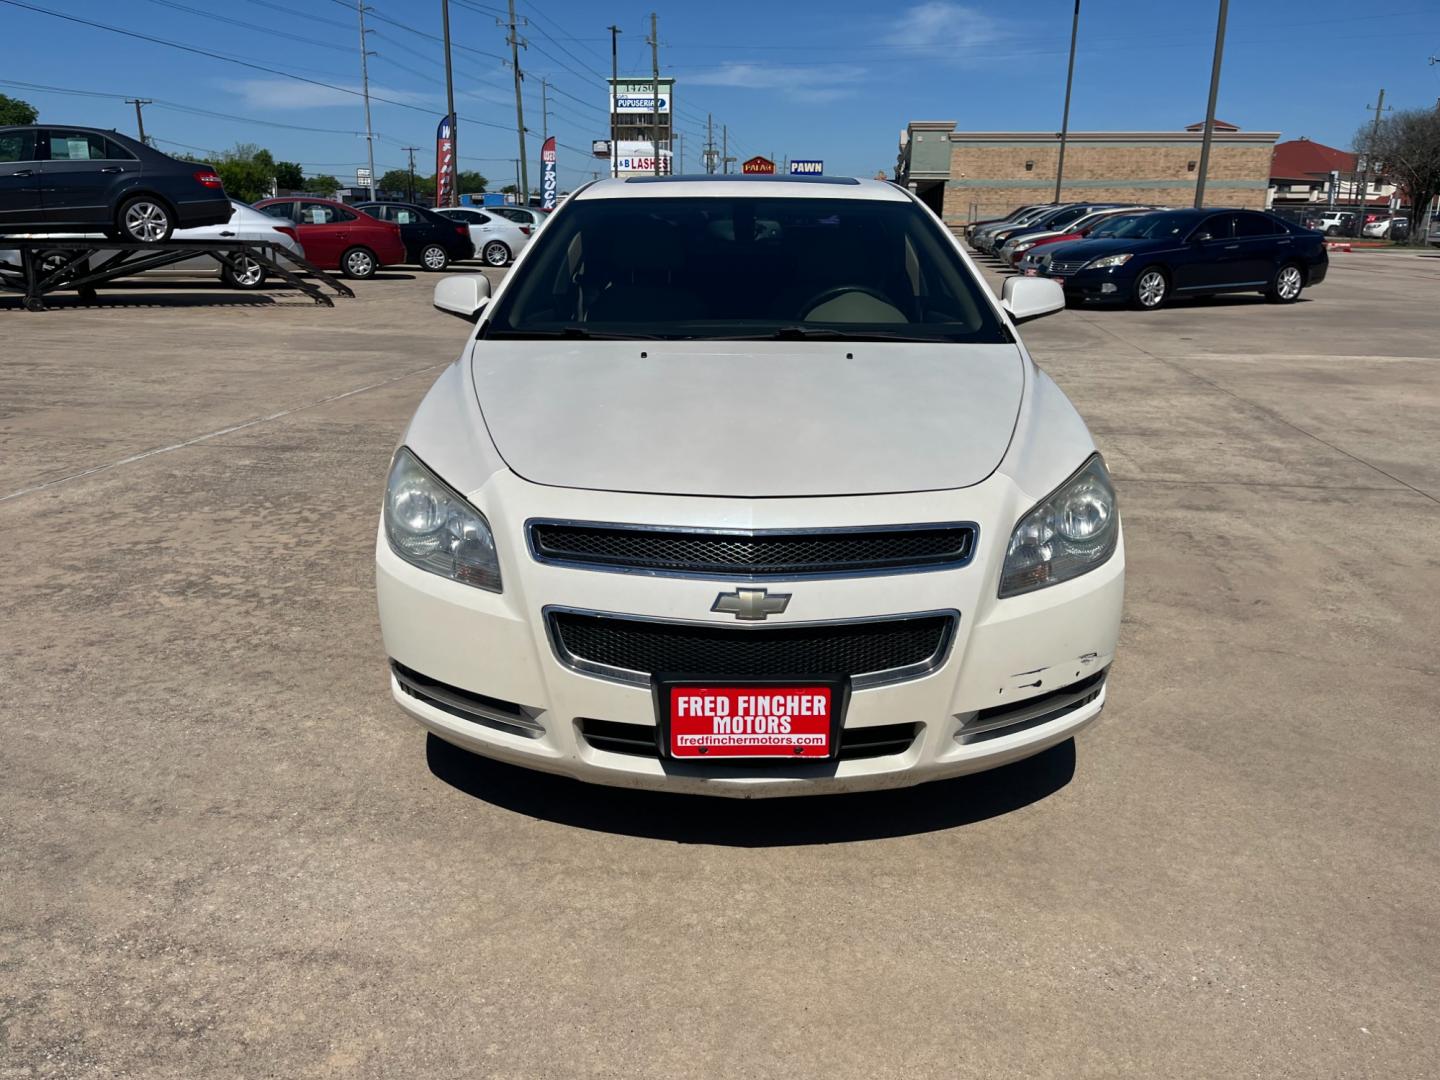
[
  {"x": 1070, "y": 532},
  {"x": 1108, "y": 260},
  {"x": 432, "y": 527}
]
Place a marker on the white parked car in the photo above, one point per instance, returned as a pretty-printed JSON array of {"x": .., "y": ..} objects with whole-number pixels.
[
  {"x": 246, "y": 223},
  {"x": 522, "y": 215},
  {"x": 497, "y": 240},
  {"x": 748, "y": 487}
]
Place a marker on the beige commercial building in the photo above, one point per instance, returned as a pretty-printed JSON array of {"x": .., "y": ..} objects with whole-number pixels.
[{"x": 965, "y": 175}]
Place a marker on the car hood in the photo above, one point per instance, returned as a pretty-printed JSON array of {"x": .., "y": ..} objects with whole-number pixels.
[{"x": 758, "y": 419}]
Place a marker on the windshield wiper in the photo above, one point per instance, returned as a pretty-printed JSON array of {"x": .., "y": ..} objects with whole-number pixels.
[{"x": 577, "y": 333}]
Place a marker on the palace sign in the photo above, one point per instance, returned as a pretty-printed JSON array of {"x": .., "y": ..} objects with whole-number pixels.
[{"x": 759, "y": 165}]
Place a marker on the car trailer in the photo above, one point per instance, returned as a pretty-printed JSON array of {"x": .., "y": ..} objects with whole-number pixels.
[{"x": 47, "y": 266}]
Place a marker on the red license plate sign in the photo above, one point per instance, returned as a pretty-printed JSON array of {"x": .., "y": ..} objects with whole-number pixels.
[{"x": 737, "y": 721}]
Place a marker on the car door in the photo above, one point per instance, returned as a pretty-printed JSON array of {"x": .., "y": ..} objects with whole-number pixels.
[
  {"x": 1201, "y": 264},
  {"x": 324, "y": 230},
  {"x": 1263, "y": 244},
  {"x": 19, "y": 178},
  {"x": 82, "y": 176}
]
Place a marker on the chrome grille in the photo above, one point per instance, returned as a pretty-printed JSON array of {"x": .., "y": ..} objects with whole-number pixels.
[{"x": 1062, "y": 267}]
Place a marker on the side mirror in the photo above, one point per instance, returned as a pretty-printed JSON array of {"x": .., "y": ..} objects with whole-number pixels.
[
  {"x": 464, "y": 295},
  {"x": 1028, "y": 298}
]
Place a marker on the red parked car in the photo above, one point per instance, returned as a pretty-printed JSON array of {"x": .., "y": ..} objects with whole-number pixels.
[{"x": 339, "y": 237}]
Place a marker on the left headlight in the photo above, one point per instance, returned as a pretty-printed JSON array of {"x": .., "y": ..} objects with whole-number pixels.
[
  {"x": 432, "y": 527},
  {"x": 1106, "y": 261},
  {"x": 1070, "y": 532}
]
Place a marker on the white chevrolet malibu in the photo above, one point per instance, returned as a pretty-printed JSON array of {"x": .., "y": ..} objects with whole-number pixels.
[{"x": 748, "y": 487}]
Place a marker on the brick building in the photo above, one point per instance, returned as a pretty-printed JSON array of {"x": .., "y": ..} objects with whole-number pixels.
[{"x": 966, "y": 175}]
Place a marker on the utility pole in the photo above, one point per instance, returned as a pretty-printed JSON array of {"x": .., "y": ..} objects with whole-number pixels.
[
  {"x": 709, "y": 142},
  {"x": 1065, "y": 117},
  {"x": 1210, "y": 109},
  {"x": 515, "y": 42},
  {"x": 411, "y": 151},
  {"x": 615, "y": 31},
  {"x": 453, "y": 186},
  {"x": 678, "y": 169},
  {"x": 654, "y": 42},
  {"x": 365, "y": 55},
  {"x": 518, "y": 163},
  {"x": 1379, "y": 109},
  {"x": 725, "y": 158},
  {"x": 544, "y": 111},
  {"x": 139, "y": 120}
]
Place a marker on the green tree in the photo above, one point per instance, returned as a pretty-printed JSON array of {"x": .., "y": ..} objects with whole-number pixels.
[
  {"x": 470, "y": 182},
  {"x": 289, "y": 175},
  {"x": 15, "y": 111},
  {"x": 396, "y": 182},
  {"x": 1406, "y": 149},
  {"x": 509, "y": 189},
  {"x": 322, "y": 185}
]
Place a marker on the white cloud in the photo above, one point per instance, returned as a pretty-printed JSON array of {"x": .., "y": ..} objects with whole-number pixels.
[
  {"x": 943, "y": 29},
  {"x": 292, "y": 94},
  {"x": 814, "y": 84}
]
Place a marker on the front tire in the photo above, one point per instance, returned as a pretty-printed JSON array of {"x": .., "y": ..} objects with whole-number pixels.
[
  {"x": 144, "y": 219},
  {"x": 359, "y": 263},
  {"x": 243, "y": 273},
  {"x": 1152, "y": 289},
  {"x": 434, "y": 258},
  {"x": 1333, "y": 230},
  {"x": 1285, "y": 286},
  {"x": 496, "y": 254}
]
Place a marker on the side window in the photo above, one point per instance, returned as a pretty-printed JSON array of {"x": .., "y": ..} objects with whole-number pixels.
[
  {"x": 284, "y": 210},
  {"x": 115, "y": 152},
  {"x": 76, "y": 146},
  {"x": 479, "y": 219},
  {"x": 1253, "y": 225},
  {"x": 402, "y": 216},
  {"x": 17, "y": 146},
  {"x": 1219, "y": 227},
  {"x": 384, "y": 213},
  {"x": 315, "y": 213}
]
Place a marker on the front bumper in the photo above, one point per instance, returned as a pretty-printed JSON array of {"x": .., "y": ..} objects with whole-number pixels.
[
  {"x": 998, "y": 696},
  {"x": 1110, "y": 285}
]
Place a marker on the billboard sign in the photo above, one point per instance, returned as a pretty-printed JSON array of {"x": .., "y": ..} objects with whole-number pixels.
[
  {"x": 628, "y": 96},
  {"x": 758, "y": 165},
  {"x": 444, "y": 162},
  {"x": 600, "y": 147},
  {"x": 362, "y": 177},
  {"x": 806, "y": 167},
  {"x": 547, "y": 174}
]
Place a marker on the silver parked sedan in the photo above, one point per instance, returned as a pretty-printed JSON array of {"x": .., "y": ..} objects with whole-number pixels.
[
  {"x": 246, "y": 223},
  {"x": 497, "y": 239}
]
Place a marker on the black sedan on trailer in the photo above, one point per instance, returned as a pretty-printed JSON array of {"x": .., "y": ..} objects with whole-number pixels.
[
  {"x": 1173, "y": 253},
  {"x": 60, "y": 178},
  {"x": 431, "y": 241}
]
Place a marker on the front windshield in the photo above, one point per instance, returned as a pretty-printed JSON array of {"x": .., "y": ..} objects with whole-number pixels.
[
  {"x": 735, "y": 267},
  {"x": 1163, "y": 225},
  {"x": 1123, "y": 225}
]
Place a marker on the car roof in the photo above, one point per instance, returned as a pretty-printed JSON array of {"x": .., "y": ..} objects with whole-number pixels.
[{"x": 720, "y": 187}]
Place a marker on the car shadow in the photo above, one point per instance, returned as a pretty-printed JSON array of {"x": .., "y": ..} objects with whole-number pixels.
[
  {"x": 789, "y": 822},
  {"x": 161, "y": 299}
]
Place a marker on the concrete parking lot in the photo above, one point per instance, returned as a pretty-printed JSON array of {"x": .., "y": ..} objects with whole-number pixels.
[{"x": 224, "y": 852}]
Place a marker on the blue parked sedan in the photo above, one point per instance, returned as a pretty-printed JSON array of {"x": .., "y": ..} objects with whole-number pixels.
[{"x": 1192, "y": 253}]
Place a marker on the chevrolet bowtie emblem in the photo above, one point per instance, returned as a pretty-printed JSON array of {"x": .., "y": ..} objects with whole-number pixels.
[{"x": 751, "y": 605}]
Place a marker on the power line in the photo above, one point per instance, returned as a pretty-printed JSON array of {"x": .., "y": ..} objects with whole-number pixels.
[
  {"x": 248, "y": 25},
  {"x": 233, "y": 60}
]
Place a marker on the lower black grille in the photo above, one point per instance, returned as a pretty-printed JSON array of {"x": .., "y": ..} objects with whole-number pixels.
[
  {"x": 466, "y": 704},
  {"x": 638, "y": 740},
  {"x": 631, "y": 650},
  {"x": 762, "y": 553}
]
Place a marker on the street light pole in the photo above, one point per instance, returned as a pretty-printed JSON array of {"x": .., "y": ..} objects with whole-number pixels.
[
  {"x": 614, "y": 83},
  {"x": 1210, "y": 108},
  {"x": 1065, "y": 117},
  {"x": 365, "y": 86}
]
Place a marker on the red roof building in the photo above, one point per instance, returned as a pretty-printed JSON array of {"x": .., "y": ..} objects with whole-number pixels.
[{"x": 1300, "y": 175}]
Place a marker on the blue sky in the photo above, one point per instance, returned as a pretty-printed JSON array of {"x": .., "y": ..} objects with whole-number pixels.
[{"x": 834, "y": 80}]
